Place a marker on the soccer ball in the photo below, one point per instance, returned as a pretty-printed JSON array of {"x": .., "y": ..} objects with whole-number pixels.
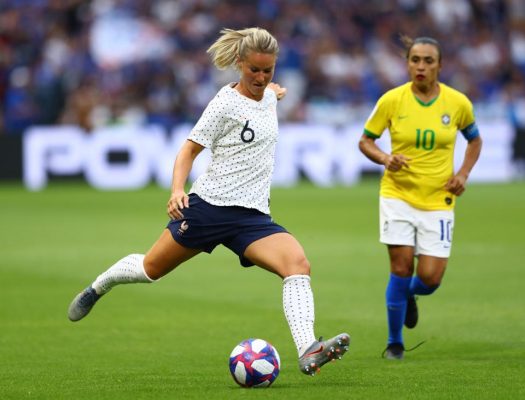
[{"x": 254, "y": 363}]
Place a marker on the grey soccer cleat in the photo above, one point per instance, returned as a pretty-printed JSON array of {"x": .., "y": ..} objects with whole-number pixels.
[
  {"x": 82, "y": 304},
  {"x": 394, "y": 351},
  {"x": 320, "y": 352}
]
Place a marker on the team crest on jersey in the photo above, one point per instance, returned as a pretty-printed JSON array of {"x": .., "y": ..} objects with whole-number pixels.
[{"x": 445, "y": 119}]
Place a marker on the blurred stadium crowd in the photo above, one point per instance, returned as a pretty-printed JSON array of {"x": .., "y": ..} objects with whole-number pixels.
[{"x": 100, "y": 62}]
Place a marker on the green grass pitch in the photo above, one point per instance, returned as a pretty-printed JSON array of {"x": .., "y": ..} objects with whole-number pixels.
[{"x": 172, "y": 339}]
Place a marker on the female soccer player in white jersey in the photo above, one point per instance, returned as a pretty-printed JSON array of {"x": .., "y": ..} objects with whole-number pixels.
[
  {"x": 229, "y": 203},
  {"x": 419, "y": 186}
]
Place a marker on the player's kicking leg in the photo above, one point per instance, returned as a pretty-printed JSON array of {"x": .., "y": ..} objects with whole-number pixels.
[
  {"x": 322, "y": 351},
  {"x": 299, "y": 312},
  {"x": 282, "y": 254}
]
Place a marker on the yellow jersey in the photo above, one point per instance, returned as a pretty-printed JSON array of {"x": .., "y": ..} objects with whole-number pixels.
[{"x": 425, "y": 133}]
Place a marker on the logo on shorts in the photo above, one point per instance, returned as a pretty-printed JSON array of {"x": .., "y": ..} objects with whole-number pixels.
[
  {"x": 385, "y": 226},
  {"x": 183, "y": 228}
]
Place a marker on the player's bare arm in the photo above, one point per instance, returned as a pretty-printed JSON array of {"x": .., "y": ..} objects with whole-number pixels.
[
  {"x": 183, "y": 163},
  {"x": 457, "y": 184},
  {"x": 392, "y": 162}
]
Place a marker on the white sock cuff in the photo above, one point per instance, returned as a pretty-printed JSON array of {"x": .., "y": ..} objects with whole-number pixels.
[
  {"x": 140, "y": 257},
  {"x": 296, "y": 277}
]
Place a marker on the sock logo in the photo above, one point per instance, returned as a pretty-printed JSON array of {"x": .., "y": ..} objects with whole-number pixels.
[{"x": 183, "y": 228}]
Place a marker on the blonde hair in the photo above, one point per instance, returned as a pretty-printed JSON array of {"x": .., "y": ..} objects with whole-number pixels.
[{"x": 235, "y": 45}]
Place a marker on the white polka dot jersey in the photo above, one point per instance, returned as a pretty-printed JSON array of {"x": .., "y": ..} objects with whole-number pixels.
[{"x": 241, "y": 134}]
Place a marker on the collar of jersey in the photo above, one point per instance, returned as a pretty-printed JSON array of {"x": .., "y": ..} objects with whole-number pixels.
[{"x": 428, "y": 104}]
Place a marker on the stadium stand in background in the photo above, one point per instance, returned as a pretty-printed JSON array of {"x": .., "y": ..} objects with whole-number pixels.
[{"x": 100, "y": 62}]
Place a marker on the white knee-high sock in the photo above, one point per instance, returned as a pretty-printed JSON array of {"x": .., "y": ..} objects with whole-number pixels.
[
  {"x": 129, "y": 269},
  {"x": 298, "y": 302}
]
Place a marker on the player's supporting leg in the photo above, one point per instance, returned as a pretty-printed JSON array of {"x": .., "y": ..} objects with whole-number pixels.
[
  {"x": 396, "y": 302},
  {"x": 165, "y": 255},
  {"x": 129, "y": 269}
]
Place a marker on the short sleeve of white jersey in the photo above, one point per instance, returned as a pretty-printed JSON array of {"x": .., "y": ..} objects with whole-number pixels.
[{"x": 211, "y": 123}]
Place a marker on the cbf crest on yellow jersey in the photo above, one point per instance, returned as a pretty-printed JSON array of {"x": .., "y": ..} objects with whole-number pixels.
[{"x": 425, "y": 133}]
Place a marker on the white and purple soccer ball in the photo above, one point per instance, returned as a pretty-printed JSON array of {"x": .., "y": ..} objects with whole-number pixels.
[{"x": 254, "y": 363}]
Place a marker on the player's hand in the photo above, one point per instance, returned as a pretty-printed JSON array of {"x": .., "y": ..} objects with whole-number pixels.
[
  {"x": 394, "y": 162},
  {"x": 177, "y": 202},
  {"x": 280, "y": 92},
  {"x": 456, "y": 185}
]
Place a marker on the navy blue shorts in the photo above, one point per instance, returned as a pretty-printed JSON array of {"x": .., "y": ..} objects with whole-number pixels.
[{"x": 205, "y": 226}]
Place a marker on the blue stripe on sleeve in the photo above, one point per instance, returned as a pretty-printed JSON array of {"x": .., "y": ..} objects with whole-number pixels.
[{"x": 470, "y": 132}]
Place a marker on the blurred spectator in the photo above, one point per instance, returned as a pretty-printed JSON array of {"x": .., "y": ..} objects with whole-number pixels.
[
  {"x": 516, "y": 108},
  {"x": 100, "y": 62},
  {"x": 20, "y": 106}
]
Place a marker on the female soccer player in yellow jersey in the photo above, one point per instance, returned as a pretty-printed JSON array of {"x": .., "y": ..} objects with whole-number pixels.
[{"x": 419, "y": 186}]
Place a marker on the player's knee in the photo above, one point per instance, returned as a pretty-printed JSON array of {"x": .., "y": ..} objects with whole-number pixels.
[
  {"x": 432, "y": 281},
  {"x": 401, "y": 264},
  {"x": 401, "y": 269},
  {"x": 299, "y": 266},
  {"x": 152, "y": 268}
]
